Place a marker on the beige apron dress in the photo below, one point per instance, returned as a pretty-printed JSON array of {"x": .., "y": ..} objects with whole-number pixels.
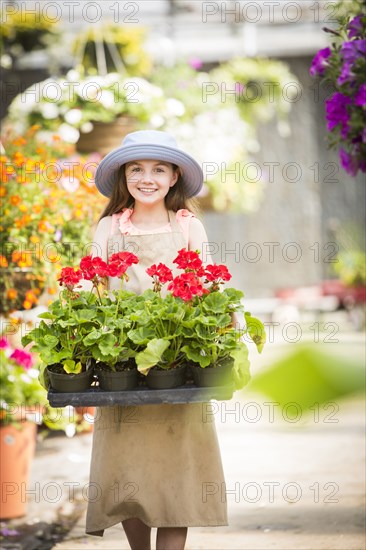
[{"x": 159, "y": 463}]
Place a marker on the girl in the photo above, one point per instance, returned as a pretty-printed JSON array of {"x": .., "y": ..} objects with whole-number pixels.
[{"x": 152, "y": 465}]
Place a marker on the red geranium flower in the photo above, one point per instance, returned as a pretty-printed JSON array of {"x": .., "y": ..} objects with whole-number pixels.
[
  {"x": 87, "y": 268},
  {"x": 70, "y": 277},
  {"x": 93, "y": 267},
  {"x": 161, "y": 272},
  {"x": 120, "y": 262},
  {"x": 216, "y": 273},
  {"x": 188, "y": 260},
  {"x": 186, "y": 286}
]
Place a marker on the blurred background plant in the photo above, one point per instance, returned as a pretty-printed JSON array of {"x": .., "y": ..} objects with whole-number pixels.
[
  {"x": 25, "y": 32},
  {"x": 343, "y": 65},
  {"x": 49, "y": 203},
  {"x": 110, "y": 48},
  {"x": 22, "y": 398}
]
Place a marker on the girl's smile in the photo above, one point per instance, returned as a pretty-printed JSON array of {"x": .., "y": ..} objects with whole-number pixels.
[{"x": 150, "y": 178}]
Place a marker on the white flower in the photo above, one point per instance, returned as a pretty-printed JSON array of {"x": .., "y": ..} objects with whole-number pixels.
[
  {"x": 68, "y": 133},
  {"x": 107, "y": 99},
  {"x": 157, "y": 121},
  {"x": 86, "y": 127},
  {"x": 73, "y": 116},
  {"x": 48, "y": 110},
  {"x": 175, "y": 107},
  {"x": 72, "y": 75}
]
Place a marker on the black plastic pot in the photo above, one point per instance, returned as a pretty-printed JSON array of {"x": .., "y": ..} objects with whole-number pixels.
[
  {"x": 117, "y": 381},
  {"x": 70, "y": 382},
  {"x": 220, "y": 375},
  {"x": 159, "y": 379}
]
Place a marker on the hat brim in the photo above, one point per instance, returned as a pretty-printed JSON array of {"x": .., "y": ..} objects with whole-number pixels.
[{"x": 106, "y": 174}]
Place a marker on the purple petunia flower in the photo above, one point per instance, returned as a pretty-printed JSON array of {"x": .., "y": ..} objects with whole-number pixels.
[
  {"x": 336, "y": 112},
  {"x": 353, "y": 49},
  {"x": 360, "y": 97},
  {"x": 354, "y": 27},
  {"x": 346, "y": 74},
  {"x": 320, "y": 62},
  {"x": 348, "y": 162},
  {"x": 23, "y": 358}
]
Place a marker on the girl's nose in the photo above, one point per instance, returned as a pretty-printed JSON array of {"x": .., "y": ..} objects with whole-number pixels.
[{"x": 146, "y": 177}]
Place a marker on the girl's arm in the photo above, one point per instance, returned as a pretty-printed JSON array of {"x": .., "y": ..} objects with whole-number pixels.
[
  {"x": 198, "y": 239},
  {"x": 98, "y": 246},
  {"x": 100, "y": 239}
]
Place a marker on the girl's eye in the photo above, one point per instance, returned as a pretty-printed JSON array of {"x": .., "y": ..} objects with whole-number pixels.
[{"x": 135, "y": 169}]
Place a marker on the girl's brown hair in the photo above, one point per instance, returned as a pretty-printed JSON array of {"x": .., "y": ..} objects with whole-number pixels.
[{"x": 175, "y": 200}]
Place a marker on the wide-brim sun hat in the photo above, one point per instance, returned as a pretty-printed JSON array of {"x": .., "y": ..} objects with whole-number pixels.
[{"x": 148, "y": 145}]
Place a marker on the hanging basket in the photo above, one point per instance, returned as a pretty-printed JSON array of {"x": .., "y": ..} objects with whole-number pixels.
[{"x": 106, "y": 136}]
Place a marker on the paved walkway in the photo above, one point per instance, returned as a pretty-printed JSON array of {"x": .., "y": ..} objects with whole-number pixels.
[{"x": 290, "y": 484}]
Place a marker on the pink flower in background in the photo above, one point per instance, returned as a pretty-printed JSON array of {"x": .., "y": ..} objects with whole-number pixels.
[
  {"x": 4, "y": 343},
  {"x": 195, "y": 63},
  {"x": 70, "y": 184},
  {"x": 23, "y": 358}
]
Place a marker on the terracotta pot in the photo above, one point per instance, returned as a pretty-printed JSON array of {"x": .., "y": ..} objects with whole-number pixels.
[
  {"x": 166, "y": 379},
  {"x": 106, "y": 136},
  {"x": 17, "y": 447}
]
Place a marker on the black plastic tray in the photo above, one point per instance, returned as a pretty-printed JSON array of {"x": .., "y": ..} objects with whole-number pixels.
[{"x": 140, "y": 396}]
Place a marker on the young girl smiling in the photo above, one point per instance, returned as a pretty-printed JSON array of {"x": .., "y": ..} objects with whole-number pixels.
[{"x": 152, "y": 465}]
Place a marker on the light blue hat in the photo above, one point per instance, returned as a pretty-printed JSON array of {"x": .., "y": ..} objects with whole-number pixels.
[{"x": 148, "y": 145}]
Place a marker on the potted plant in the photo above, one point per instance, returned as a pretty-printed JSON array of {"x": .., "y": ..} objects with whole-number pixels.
[
  {"x": 92, "y": 111},
  {"x": 22, "y": 401},
  {"x": 193, "y": 324},
  {"x": 83, "y": 326}
]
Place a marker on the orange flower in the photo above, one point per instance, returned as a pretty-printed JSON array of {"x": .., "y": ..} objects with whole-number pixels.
[
  {"x": 11, "y": 294},
  {"x": 14, "y": 200},
  {"x": 3, "y": 261},
  {"x": 42, "y": 226},
  {"x": 34, "y": 239},
  {"x": 51, "y": 290},
  {"x": 31, "y": 297},
  {"x": 19, "y": 141},
  {"x": 37, "y": 208},
  {"x": 2, "y": 191},
  {"x": 27, "y": 304}
]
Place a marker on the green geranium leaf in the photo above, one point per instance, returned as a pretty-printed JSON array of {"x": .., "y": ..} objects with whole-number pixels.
[
  {"x": 196, "y": 356},
  {"x": 141, "y": 336},
  {"x": 241, "y": 374},
  {"x": 216, "y": 302},
  {"x": 107, "y": 343},
  {"x": 71, "y": 367},
  {"x": 47, "y": 315},
  {"x": 151, "y": 355},
  {"x": 92, "y": 337},
  {"x": 50, "y": 341},
  {"x": 256, "y": 331}
]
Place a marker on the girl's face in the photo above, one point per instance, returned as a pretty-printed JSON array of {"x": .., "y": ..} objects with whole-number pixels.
[{"x": 149, "y": 181}]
